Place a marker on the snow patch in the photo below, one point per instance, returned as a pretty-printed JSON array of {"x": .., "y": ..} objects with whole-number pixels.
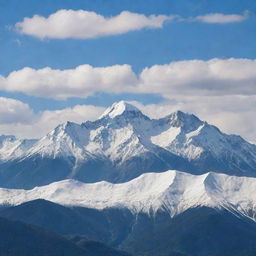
[{"x": 165, "y": 138}]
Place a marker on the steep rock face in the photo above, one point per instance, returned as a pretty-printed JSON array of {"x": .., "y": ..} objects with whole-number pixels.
[{"x": 122, "y": 144}]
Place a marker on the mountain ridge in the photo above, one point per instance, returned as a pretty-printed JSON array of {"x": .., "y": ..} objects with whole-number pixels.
[{"x": 170, "y": 191}]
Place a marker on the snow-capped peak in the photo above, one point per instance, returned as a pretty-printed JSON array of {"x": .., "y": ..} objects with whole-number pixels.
[
  {"x": 65, "y": 128},
  {"x": 184, "y": 120},
  {"x": 119, "y": 108},
  {"x": 67, "y": 139}
]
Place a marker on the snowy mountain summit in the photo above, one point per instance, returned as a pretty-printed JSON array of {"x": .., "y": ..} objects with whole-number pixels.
[
  {"x": 122, "y": 144},
  {"x": 120, "y": 108}
]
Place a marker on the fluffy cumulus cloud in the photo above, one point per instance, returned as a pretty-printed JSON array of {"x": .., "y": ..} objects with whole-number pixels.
[
  {"x": 213, "y": 77},
  {"x": 82, "y": 81},
  {"x": 221, "y": 18},
  {"x": 84, "y": 24},
  {"x": 14, "y": 111}
]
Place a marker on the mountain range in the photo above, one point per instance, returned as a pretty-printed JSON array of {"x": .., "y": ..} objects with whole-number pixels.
[
  {"x": 120, "y": 145},
  {"x": 174, "y": 186}
]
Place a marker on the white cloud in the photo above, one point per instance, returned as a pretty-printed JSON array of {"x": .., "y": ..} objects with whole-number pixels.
[
  {"x": 84, "y": 24},
  {"x": 81, "y": 82},
  {"x": 221, "y": 18},
  {"x": 14, "y": 111},
  {"x": 193, "y": 77},
  {"x": 213, "y": 77}
]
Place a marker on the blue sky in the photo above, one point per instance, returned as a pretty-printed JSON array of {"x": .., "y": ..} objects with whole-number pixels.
[{"x": 175, "y": 41}]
